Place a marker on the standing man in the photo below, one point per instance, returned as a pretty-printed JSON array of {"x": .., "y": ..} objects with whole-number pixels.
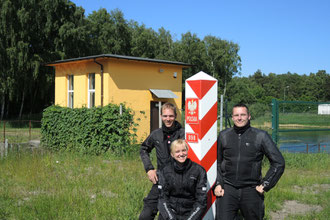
[
  {"x": 160, "y": 139},
  {"x": 239, "y": 184}
]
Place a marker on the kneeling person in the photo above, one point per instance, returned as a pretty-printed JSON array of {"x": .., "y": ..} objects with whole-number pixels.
[{"x": 182, "y": 185}]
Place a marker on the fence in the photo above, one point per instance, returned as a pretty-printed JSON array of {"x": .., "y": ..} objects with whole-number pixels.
[
  {"x": 16, "y": 134},
  {"x": 305, "y": 148},
  {"x": 19, "y": 131}
]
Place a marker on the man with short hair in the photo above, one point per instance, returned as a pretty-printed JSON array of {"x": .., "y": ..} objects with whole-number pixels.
[
  {"x": 160, "y": 139},
  {"x": 239, "y": 184}
]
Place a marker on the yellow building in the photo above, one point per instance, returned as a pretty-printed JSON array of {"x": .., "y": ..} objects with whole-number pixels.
[{"x": 141, "y": 83}]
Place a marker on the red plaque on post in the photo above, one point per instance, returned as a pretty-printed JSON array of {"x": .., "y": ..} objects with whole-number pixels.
[
  {"x": 192, "y": 137},
  {"x": 192, "y": 111}
]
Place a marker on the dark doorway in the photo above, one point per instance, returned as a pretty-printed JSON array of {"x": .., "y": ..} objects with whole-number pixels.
[{"x": 154, "y": 115}]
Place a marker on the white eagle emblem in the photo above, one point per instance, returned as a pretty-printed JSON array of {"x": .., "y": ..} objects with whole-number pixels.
[{"x": 192, "y": 105}]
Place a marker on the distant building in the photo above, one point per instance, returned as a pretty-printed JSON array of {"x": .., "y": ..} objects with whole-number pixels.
[
  {"x": 141, "y": 83},
  {"x": 324, "y": 109}
]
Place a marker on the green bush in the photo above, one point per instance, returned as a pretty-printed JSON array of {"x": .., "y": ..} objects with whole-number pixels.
[{"x": 91, "y": 131}]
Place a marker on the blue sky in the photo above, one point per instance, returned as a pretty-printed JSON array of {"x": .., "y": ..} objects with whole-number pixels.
[{"x": 277, "y": 36}]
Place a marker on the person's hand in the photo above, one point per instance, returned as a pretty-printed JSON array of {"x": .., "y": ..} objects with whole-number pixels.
[
  {"x": 152, "y": 175},
  {"x": 260, "y": 189},
  {"x": 218, "y": 191}
]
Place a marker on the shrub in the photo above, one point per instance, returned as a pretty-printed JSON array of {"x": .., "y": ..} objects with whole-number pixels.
[{"x": 89, "y": 131}]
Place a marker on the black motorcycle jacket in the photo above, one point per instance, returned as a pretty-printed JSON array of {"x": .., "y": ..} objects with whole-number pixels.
[
  {"x": 160, "y": 139},
  {"x": 183, "y": 191},
  {"x": 240, "y": 159}
]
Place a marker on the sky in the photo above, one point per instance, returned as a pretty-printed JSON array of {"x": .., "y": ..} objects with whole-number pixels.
[{"x": 274, "y": 36}]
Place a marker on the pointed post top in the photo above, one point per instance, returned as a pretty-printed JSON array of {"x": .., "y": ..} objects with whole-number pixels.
[{"x": 201, "y": 76}]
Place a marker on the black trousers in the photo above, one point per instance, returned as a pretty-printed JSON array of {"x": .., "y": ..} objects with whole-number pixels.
[
  {"x": 248, "y": 200},
  {"x": 150, "y": 209}
]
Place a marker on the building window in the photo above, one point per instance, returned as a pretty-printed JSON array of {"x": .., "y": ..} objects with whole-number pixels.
[
  {"x": 91, "y": 90},
  {"x": 70, "y": 91}
]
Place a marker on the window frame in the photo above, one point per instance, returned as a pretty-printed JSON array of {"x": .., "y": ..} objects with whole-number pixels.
[
  {"x": 91, "y": 91},
  {"x": 70, "y": 91}
]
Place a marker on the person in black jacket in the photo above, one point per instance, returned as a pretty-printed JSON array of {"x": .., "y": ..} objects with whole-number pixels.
[
  {"x": 183, "y": 186},
  {"x": 239, "y": 184},
  {"x": 160, "y": 139}
]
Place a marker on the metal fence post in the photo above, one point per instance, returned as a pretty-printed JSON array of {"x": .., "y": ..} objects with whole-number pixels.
[
  {"x": 274, "y": 120},
  {"x": 221, "y": 111},
  {"x": 6, "y": 148},
  {"x": 4, "y": 131},
  {"x": 30, "y": 130}
]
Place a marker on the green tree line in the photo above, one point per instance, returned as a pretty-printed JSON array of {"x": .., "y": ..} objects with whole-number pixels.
[
  {"x": 259, "y": 89},
  {"x": 35, "y": 32}
]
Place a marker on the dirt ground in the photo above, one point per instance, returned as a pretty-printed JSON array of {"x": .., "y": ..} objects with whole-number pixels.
[{"x": 296, "y": 208}]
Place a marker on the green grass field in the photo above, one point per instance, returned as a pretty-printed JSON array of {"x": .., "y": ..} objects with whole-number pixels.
[
  {"x": 45, "y": 185},
  {"x": 297, "y": 120}
]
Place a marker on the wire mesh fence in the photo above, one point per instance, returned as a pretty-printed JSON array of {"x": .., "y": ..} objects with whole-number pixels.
[{"x": 19, "y": 131}]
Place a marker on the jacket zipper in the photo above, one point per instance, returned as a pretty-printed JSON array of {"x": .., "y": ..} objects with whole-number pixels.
[{"x": 239, "y": 155}]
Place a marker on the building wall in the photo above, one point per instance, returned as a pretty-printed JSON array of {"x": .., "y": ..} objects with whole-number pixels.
[
  {"x": 80, "y": 72},
  {"x": 324, "y": 109},
  {"x": 124, "y": 82}
]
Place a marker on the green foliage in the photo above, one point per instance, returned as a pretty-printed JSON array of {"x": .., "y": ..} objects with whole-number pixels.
[
  {"x": 258, "y": 90},
  {"x": 36, "y": 32},
  {"x": 259, "y": 109},
  {"x": 89, "y": 131},
  {"x": 222, "y": 59},
  {"x": 108, "y": 32},
  {"x": 33, "y": 33}
]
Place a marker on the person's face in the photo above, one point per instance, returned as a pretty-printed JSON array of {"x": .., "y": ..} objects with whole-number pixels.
[
  {"x": 180, "y": 153},
  {"x": 168, "y": 117},
  {"x": 240, "y": 116}
]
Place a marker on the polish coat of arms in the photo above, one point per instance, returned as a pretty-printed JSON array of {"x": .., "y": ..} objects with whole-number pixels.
[{"x": 192, "y": 106}]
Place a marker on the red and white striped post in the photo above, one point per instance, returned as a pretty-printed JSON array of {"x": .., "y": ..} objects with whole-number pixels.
[{"x": 201, "y": 128}]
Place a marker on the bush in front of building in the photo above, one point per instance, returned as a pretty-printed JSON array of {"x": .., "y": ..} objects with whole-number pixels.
[{"x": 91, "y": 131}]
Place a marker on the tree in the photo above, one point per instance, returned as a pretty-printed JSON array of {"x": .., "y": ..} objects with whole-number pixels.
[
  {"x": 190, "y": 49},
  {"x": 165, "y": 46},
  {"x": 108, "y": 32},
  {"x": 35, "y": 32},
  {"x": 222, "y": 59},
  {"x": 144, "y": 41}
]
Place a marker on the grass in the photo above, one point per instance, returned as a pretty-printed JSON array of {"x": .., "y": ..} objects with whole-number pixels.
[
  {"x": 70, "y": 186},
  {"x": 302, "y": 181},
  {"x": 45, "y": 185},
  {"x": 297, "y": 120},
  {"x": 305, "y": 119}
]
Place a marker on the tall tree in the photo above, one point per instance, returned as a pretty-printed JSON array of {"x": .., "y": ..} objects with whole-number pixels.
[
  {"x": 109, "y": 32},
  {"x": 144, "y": 41},
  {"x": 36, "y": 32},
  {"x": 164, "y": 50},
  {"x": 190, "y": 49},
  {"x": 222, "y": 59}
]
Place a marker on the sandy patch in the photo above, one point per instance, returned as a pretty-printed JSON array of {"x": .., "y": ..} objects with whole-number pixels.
[{"x": 294, "y": 208}]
